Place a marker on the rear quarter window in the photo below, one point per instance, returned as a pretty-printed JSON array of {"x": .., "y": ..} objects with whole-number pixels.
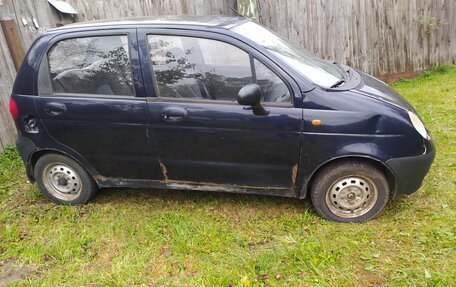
[{"x": 89, "y": 65}]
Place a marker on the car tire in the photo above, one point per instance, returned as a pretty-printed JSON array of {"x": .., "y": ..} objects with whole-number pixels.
[
  {"x": 349, "y": 191},
  {"x": 63, "y": 180}
]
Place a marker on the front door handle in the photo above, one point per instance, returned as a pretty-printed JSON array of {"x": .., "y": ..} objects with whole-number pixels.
[
  {"x": 55, "y": 109},
  {"x": 173, "y": 114}
]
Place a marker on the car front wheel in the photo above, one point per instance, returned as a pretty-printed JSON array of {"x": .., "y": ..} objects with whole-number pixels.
[{"x": 350, "y": 191}]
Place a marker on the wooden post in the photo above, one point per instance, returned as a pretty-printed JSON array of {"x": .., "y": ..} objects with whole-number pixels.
[
  {"x": 250, "y": 9},
  {"x": 13, "y": 39}
]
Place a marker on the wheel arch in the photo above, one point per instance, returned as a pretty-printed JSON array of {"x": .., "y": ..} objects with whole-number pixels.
[
  {"x": 389, "y": 174},
  {"x": 39, "y": 153}
]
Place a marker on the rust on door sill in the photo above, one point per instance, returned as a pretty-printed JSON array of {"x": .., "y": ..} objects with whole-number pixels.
[
  {"x": 294, "y": 174},
  {"x": 164, "y": 170},
  {"x": 215, "y": 186},
  {"x": 188, "y": 185}
]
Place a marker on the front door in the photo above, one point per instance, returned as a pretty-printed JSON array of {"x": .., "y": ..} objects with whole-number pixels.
[
  {"x": 200, "y": 131},
  {"x": 90, "y": 103}
]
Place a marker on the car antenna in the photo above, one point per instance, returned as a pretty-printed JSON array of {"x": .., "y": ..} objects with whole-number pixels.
[{"x": 236, "y": 11}]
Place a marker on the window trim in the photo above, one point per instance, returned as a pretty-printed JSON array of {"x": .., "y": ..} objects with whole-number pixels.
[
  {"x": 191, "y": 100},
  {"x": 100, "y": 96},
  {"x": 252, "y": 68},
  {"x": 87, "y": 34},
  {"x": 203, "y": 35}
]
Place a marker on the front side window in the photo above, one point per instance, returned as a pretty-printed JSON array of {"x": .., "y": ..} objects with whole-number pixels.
[
  {"x": 273, "y": 88},
  {"x": 91, "y": 65},
  {"x": 198, "y": 68}
]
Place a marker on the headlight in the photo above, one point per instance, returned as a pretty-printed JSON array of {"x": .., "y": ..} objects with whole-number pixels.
[{"x": 418, "y": 125}]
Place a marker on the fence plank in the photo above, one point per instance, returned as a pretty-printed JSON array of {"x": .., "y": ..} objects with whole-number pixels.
[
  {"x": 7, "y": 75},
  {"x": 14, "y": 41}
]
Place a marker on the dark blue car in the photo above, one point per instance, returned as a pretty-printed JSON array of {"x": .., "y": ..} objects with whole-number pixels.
[{"x": 216, "y": 104}]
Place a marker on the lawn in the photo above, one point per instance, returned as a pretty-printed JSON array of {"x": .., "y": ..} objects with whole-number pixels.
[{"x": 183, "y": 238}]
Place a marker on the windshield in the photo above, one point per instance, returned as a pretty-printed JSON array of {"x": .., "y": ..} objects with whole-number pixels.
[{"x": 319, "y": 71}]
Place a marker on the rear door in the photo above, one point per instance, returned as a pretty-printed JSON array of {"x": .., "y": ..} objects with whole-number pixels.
[
  {"x": 91, "y": 101},
  {"x": 202, "y": 135}
]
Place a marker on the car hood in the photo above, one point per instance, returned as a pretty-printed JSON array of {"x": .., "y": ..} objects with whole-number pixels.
[{"x": 375, "y": 88}]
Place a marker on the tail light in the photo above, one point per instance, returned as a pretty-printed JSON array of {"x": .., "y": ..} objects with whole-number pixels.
[{"x": 14, "y": 111}]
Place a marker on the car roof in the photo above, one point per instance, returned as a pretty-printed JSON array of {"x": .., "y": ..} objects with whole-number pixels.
[{"x": 218, "y": 21}]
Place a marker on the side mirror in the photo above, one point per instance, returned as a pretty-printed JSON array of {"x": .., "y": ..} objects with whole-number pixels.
[{"x": 250, "y": 95}]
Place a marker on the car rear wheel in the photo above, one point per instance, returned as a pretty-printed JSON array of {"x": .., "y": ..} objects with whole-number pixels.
[
  {"x": 350, "y": 191},
  {"x": 63, "y": 180}
]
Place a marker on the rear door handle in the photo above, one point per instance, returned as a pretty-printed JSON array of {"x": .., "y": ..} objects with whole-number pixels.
[
  {"x": 55, "y": 109},
  {"x": 174, "y": 114}
]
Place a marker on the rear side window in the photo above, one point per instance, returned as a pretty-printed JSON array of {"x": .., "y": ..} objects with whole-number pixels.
[{"x": 91, "y": 65}]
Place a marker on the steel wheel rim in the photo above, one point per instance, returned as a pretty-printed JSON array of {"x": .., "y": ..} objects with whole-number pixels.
[
  {"x": 351, "y": 196},
  {"x": 62, "y": 181}
]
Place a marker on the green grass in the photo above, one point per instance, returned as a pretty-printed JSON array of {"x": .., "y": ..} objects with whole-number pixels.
[{"x": 181, "y": 238}]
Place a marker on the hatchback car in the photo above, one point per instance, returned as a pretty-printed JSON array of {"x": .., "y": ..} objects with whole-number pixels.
[{"x": 211, "y": 104}]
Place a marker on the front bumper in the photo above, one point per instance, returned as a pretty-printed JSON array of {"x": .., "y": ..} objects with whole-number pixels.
[{"x": 410, "y": 171}]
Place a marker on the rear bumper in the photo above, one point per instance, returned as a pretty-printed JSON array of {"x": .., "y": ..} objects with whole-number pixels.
[
  {"x": 410, "y": 171},
  {"x": 26, "y": 148}
]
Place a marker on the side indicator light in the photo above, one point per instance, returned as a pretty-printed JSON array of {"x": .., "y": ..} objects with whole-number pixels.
[{"x": 316, "y": 122}]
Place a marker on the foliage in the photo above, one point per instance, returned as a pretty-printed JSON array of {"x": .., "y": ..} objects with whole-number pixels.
[
  {"x": 173, "y": 238},
  {"x": 431, "y": 24}
]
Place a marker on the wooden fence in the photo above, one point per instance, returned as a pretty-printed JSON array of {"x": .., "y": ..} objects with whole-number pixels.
[
  {"x": 387, "y": 38},
  {"x": 381, "y": 37}
]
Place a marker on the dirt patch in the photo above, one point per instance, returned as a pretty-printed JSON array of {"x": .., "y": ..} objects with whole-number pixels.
[{"x": 10, "y": 271}]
